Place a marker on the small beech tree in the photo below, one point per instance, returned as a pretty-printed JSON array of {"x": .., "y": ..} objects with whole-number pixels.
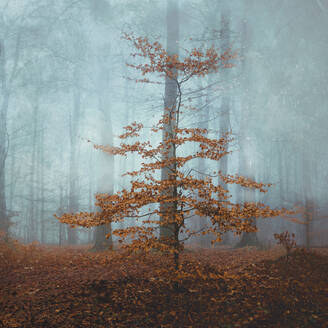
[{"x": 169, "y": 200}]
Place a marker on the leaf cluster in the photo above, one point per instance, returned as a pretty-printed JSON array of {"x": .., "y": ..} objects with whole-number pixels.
[{"x": 197, "y": 62}]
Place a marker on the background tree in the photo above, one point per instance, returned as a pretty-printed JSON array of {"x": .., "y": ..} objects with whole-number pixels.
[
  {"x": 246, "y": 166},
  {"x": 104, "y": 164}
]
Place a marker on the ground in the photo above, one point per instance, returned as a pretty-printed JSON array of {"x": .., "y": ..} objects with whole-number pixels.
[{"x": 70, "y": 287}]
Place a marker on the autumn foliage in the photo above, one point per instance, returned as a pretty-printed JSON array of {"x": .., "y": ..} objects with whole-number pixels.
[{"x": 171, "y": 200}]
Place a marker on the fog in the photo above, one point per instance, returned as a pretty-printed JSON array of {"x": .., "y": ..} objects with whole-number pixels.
[{"x": 65, "y": 86}]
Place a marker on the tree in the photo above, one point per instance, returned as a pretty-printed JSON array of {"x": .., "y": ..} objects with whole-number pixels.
[
  {"x": 248, "y": 238},
  {"x": 16, "y": 37},
  {"x": 105, "y": 164},
  {"x": 8, "y": 73},
  {"x": 77, "y": 51},
  {"x": 170, "y": 103},
  {"x": 224, "y": 120},
  {"x": 104, "y": 168},
  {"x": 184, "y": 195},
  {"x": 4, "y": 221}
]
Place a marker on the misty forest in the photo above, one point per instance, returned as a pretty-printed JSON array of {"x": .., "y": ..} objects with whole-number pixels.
[{"x": 163, "y": 163}]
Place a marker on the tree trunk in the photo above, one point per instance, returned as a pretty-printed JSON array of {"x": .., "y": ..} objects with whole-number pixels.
[
  {"x": 170, "y": 102},
  {"x": 308, "y": 198},
  {"x": 41, "y": 179},
  {"x": 4, "y": 220},
  {"x": 245, "y": 162},
  {"x": 73, "y": 166},
  {"x": 60, "y": 212},
  {"x": 224, "y": 119},
  {"x": 105, "y": 161},
  {"x": 32, "y": 215},
  {"x": 101, "y": 242},
  {"x": 12, "y": 180},
  {"x": 91, "y": 193}
]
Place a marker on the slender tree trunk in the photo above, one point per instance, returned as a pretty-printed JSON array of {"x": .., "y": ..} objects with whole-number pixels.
[
  {"x": 6, "y": 82},
  {"x": 42, "y": 199},
  {"x": 283, "y": 179},
  {"x": 127, "y": 120},
  {"x": 12, "y": 176},
  {"x": 32, "y": 216},
  {"x": 224, "y": 119},
  {"x": 91, "y": 193},
  {"x": 123, "y": 161},
  {"x": 105, "y": 162},
  {"x": 245, "y": 162},
  {"x": 60, "y": 211},
  {"x": 308, "y": 198},
  {"x": 309, "y": 207},
  {"x": 73, "y": 165},
  {"x": 4, "y": 220},
  {"x": 170, "y": 102},
  {"x": 204, "y": 117}
]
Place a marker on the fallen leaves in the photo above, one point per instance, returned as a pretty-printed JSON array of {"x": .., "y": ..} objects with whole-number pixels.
[{"x": 212, "y": 288}]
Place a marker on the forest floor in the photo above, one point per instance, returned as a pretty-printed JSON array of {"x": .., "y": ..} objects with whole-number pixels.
[{"x": 49, "y": 287}]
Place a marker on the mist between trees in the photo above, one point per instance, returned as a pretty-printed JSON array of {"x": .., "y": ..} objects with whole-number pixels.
[{"x": 65, "y": 87}]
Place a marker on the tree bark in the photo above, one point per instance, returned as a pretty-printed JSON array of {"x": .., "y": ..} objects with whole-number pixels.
[
  {"x": 105, "y": 161},
  {"x": 224, "y": 121},
  {"x": 32, "y": 215},
  {"x": 4, "y": 220},
  {"x": 204, "y": 116},
  {"x": 245, "y": 162},
  {"x": 308, "y": 198},
  {"x": 170, "y": 102},
  {"x": 42, "y": 187},
  {"x": 61, "y": 211},
  {"x": 73, "y": 164}
]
